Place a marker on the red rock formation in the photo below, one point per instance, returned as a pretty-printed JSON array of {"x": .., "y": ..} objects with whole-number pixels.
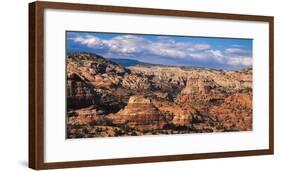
[
  {"x": 140, "y": 113},
  {"x": 106, "y": 99},
  {"x": 235, "y": 113},
  {"x": 175, "y": 114},
  {"x": 199, "y": 85}
]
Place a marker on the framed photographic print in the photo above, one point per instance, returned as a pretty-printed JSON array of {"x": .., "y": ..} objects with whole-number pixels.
[{"x": 119, "y": 85}]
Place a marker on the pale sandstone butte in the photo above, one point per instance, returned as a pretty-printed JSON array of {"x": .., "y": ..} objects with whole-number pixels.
[{"x": 140, "y": 113}]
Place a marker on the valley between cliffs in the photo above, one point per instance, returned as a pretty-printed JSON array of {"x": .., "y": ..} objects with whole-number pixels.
[{"x": 105, "y": 99}]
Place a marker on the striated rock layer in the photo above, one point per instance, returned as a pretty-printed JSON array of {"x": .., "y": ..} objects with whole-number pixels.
[
  {"x": 140, "y": 113},
  {"x": 106, "y": 99}
]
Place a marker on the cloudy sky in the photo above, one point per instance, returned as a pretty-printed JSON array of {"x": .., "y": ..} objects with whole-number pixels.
[{"x": 220, "y": 53}]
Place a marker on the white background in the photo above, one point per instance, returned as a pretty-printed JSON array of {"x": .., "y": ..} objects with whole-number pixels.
[
  {"x": 57, "y": 148},
  {"x": 14, "y": 85}
]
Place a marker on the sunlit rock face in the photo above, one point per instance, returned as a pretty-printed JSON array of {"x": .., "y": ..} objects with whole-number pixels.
[
  {"x": 140, "y": 113},
  {"x": 106, "y": 99}
]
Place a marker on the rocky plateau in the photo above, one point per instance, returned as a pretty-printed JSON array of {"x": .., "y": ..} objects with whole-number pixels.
[{"x": 105, "y": 99}]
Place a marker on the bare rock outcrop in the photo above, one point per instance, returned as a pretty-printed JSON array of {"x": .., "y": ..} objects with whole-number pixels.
[
  {"x": 136, "y": 82},
  {"x": 141, "y": 114},
  {"x": 174, "y": 114},
  {"x": 235, "y": 113},
  {"x": 199, "y": 85},
  {"x": 107, "y": 99},
  {"x": 79, "y": 93}
]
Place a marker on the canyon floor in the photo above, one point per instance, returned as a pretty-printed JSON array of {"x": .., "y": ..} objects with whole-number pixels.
[{"x": 106, "y": 99}]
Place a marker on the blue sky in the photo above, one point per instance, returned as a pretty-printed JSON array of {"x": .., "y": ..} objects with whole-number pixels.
[{"x": 219, "y": 53}]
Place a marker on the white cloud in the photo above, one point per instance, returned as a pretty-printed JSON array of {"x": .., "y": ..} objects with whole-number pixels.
[
  {"x": 137, "y": 46},
  {"x": 246, "y": 61},
  {"x": 201, "y": 46},
  {"x": 216, "y": 53},
  {"x": 236, "y": 55},
  {"x": 89, "y": 41},
  {"x": 234, "y": 50}
]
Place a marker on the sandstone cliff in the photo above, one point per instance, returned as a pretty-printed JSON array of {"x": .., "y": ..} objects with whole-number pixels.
[{"x": 107, "y": 99}]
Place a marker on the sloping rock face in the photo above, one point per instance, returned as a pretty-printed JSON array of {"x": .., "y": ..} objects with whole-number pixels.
[
  {"x": 199, "y": 85},
  {"x": 95, "y": 69},
  {"x": 227, "y": 105},
  {"x": 79, "y": 93},
  {"x": 140, "y": 113},
  {"x": 167, "y": 79},
  {"x": 136, "y": 82},
  {"x": 90, "y": 81},
  {"x": 235, "y": 113},
  {"x": 105, "y": 99}
]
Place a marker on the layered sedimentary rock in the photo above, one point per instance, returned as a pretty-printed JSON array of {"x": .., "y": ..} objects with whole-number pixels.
[
  {"x": 136, "y": 82},
  {"x": 107, "y": 99},
  {"x": 199, "y": 85},
  {"x": 175, "y": 114},
  {"x": 79, "y": 92},
  {"x": 140, "y": 113},
  {"x": 235, "y": 113},
  {"x": 228, "y": 106},
  {"x": 169, "y": 79},
  {"x": 90, "y": 81}
]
